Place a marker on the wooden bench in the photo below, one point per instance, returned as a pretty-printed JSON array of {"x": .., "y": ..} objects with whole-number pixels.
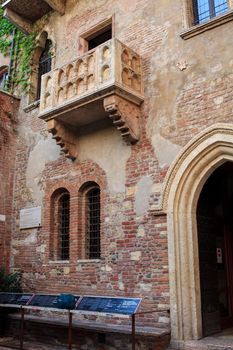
[{"x": 93, "y": 326}]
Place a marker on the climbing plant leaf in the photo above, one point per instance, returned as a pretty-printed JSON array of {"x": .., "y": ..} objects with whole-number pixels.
[{"x": 21, "y": 54}]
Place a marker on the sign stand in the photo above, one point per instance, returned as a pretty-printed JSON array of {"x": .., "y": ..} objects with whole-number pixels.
[
  {"x": 122, "y": 306},
  {"x": 133, "y": 332},
  {"x": 70, "y": 331},
  {"x": 21, "y": 328}
]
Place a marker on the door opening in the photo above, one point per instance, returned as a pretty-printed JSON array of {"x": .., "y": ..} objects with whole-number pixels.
[{"x": 215, "y": 240}]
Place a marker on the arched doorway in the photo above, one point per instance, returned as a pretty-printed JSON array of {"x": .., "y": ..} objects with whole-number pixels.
[
  {"x": 183, "y": 185},
  {"x": 215, "y": 242}
]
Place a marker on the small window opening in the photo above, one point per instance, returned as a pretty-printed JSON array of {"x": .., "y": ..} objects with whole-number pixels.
[
  {"x": 63, "y": 227},
  {"x": 204, "y": 10},
  {"x": 101, "y": 338},
  {"x": 45, "y": 63},
  {"x": 3, "y": 80},
  {"x": 100, "y": 37},
  {"x": 93, "y": 223},
  {"x": 3, "y": 77}
]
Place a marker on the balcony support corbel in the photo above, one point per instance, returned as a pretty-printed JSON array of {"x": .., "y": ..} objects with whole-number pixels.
[
  {"x": 57, "y": 5},
  {"x": 125, "y": 116},
  {"x": 23, "y": 24},
  {"x": 64, "y": 137}
]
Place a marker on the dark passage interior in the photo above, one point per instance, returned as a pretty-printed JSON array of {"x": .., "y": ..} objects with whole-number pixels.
[{"x": 215, "y": 238}]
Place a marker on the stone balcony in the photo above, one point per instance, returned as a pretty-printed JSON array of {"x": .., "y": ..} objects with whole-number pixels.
[
  {"x": 104, "y": 82},
  {"x": 23, "y": 13}
]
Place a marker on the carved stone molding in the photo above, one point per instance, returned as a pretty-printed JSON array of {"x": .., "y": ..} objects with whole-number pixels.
[
  {"x": 108, "y": 69},
  {"x": 204, "y": 140},
  {"x": 182, "y": 187},
  {"x": 64, "y": 137},
  {"x": 125, "y": 116}
]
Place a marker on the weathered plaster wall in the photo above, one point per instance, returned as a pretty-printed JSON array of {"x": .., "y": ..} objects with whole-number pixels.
[
  {"x": 107, "y": 149},
  {"x": 188, "y": 86}
]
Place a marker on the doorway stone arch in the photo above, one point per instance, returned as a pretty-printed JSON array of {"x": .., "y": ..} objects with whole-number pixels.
[{"x": 182, "y": 187}]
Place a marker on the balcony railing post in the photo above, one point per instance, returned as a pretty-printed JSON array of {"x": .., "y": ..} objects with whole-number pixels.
[{"x": 54, "y": 92}]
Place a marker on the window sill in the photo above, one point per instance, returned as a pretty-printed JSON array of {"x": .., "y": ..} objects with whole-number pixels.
[
  {"x": 32, "y": 106},
  {"x": 214, "y": 22},
  {"x": 88, "y": 261},
  {"x": 59, "y": 261}
]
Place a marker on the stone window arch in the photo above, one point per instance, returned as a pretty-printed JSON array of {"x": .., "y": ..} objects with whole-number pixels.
[
  {"x": 60, "y": 225},
  {"x": 44, "y": 65},
  {"x": 41, "y": 64},
  {"x": 90, "y": 221},
  {"x": 183, "y": 184}
]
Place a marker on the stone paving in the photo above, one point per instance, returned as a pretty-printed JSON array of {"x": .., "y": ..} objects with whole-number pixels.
[
  {"x": 12, "y": 344},
  {"x": 220, "y": 341}
]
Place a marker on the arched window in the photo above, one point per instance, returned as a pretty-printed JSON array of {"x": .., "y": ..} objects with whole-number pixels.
[
  {"x": 93, "y": 223},
  {"x": 44, "y": 66},
  {"x": 64, "y": 226},
  {"x": 60, "y": 225}
]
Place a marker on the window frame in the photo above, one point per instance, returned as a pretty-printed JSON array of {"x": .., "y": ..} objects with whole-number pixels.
[
  {"x": 95, "y": 31},
  {"x": 63, "y": 216},
  {"x": 190, "y": 30},
  {"x": 32, "y": 98},
  {"x": 54, "y": 247},
  {"x": 83, "y": 247},
  {"x": 212, "y": 11},
  {"x": 44, "y": 65},
  {"x": 91, "y": 233}
]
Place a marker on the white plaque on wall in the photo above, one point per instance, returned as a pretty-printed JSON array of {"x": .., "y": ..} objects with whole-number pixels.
[
  {"x": 30, "y": 217},
  {"x": 2, "y": 218}
]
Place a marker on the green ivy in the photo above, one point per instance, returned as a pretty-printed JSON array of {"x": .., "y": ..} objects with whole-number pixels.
[
  {"x": 6, "y": 29},
  {"x": 21, "y": 56},
  {"x": 22, "y": 59},
  {"x": 10, "y": 282}
]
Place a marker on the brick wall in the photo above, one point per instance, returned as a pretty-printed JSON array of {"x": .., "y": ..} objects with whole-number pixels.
[
  {"x": 179, "y": 103},
  {"x": 8, "y": 124}
]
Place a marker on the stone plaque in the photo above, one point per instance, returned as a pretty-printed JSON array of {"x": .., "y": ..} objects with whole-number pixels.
[
  {"x": 30, "y": 217},
  {"x": 2, "y": 218}
]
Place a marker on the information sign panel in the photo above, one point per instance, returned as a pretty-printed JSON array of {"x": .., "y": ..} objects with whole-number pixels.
[
  {"x": 30, "y": 217},
  {"x": 44, "y": 300},
  {"x": 47, "y": 300},
  {"x": 124, "y": 306},
  {"x": 15, "y": 298}
]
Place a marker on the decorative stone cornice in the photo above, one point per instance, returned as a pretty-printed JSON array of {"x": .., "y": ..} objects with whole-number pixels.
[
  {"x": 65, "y": 138},
  {"x": 125, "y": 116}
]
